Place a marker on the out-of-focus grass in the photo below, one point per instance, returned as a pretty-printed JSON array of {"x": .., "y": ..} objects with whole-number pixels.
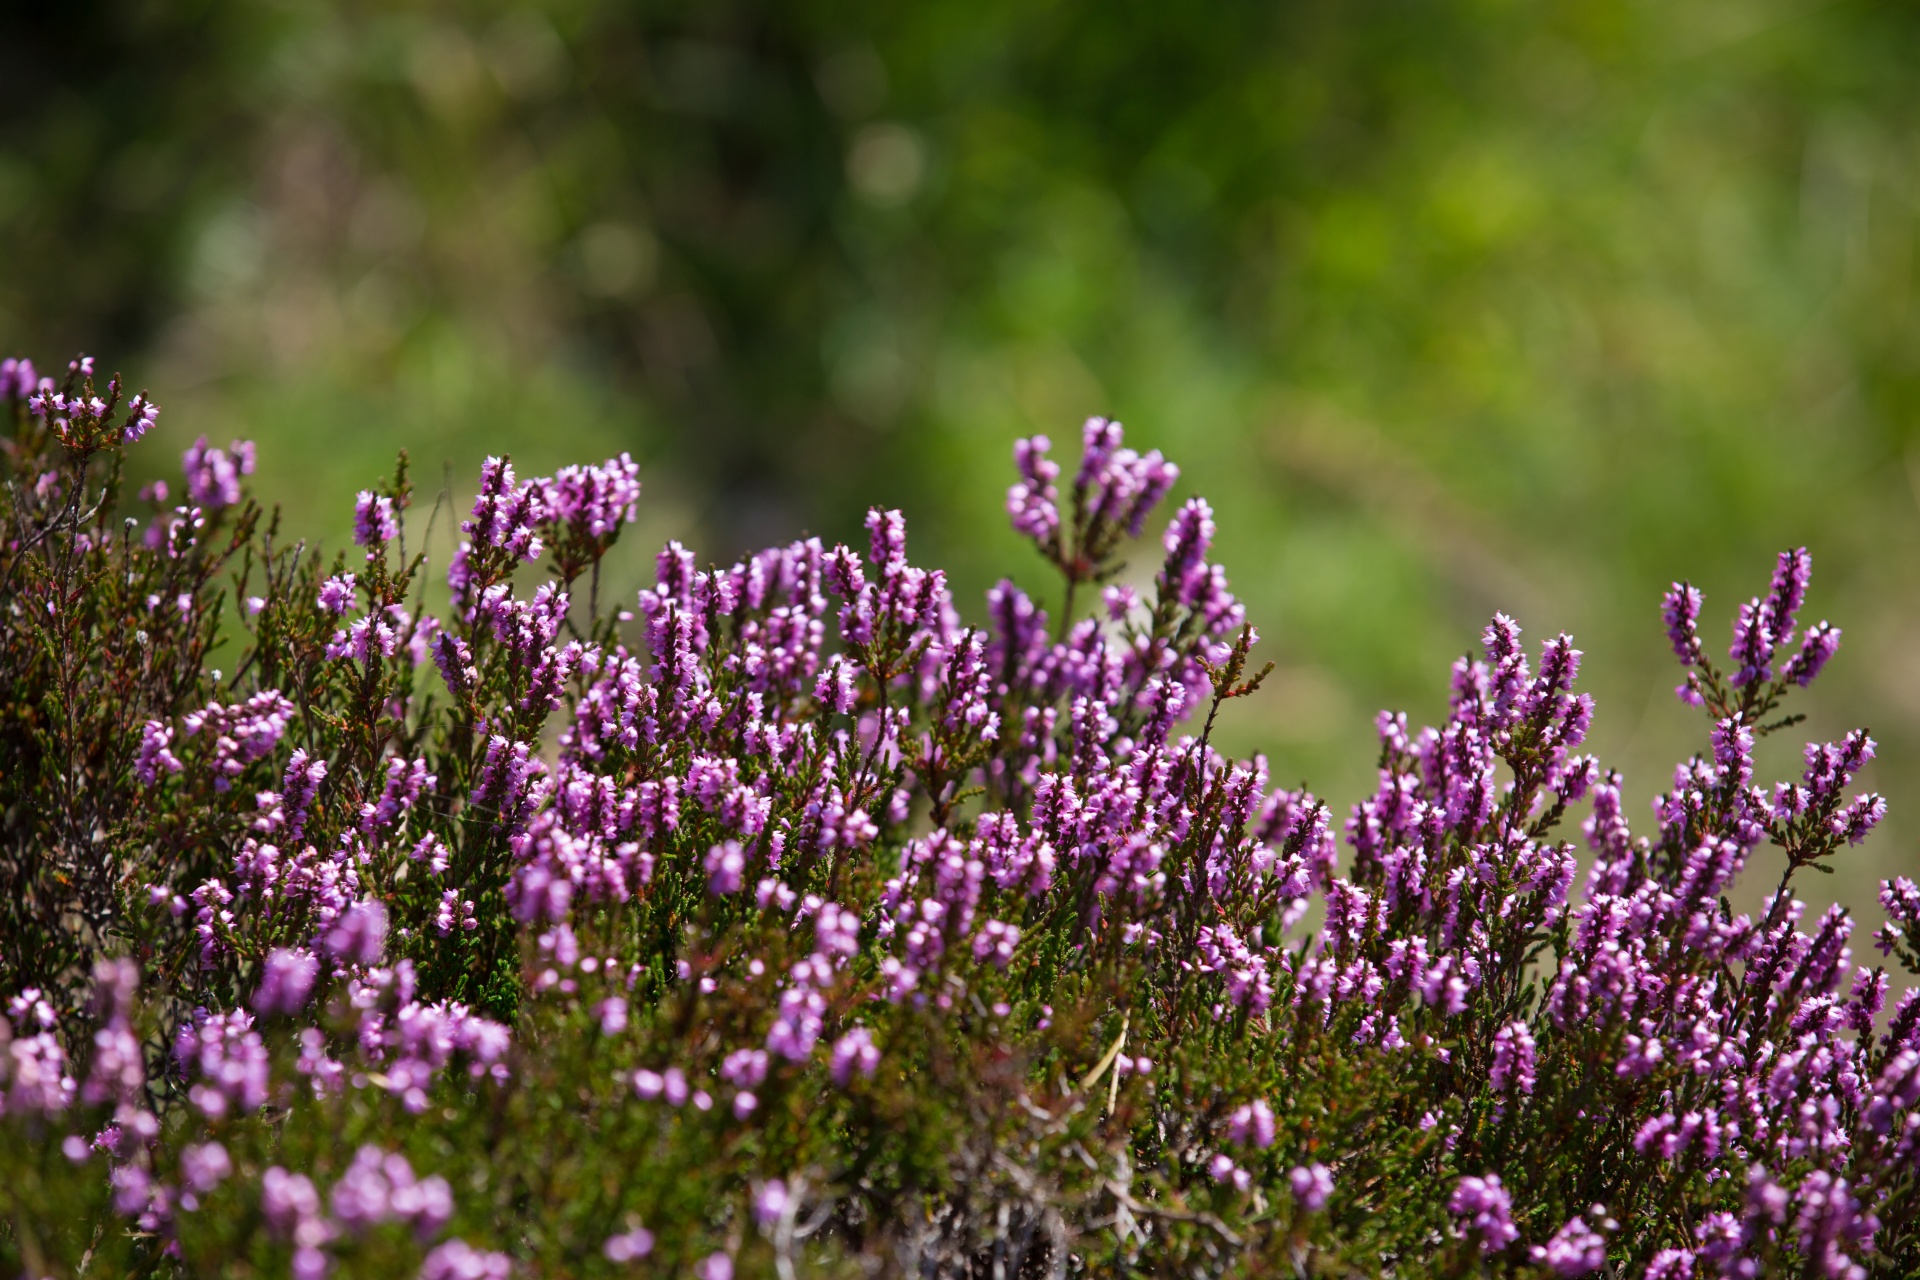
[{"x": 1446, "y": 308}]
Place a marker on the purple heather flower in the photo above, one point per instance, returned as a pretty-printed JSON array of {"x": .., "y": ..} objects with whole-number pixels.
[
  {"x": 1767, "y": 1198},
  {"x": 770, "y": 1202},
  {"x": 380, "y": 1187},
  {"x": 1822, "y": 641},
  {"x": 213, "y": 475},
  {"x": 229, "y": 1057},
  {"x": 361, "y": 933},
  {"x": 458, "y": 1260},
  {"x": 367, "y": 640},
  {"x": 1733, "y": 751},
  {"x": 155, "y": 755},
  {"x": 1790, "y": 576},
  {"x": 1900, "y": 899},
  {"x": 404, "y": 783},
  {"x": 836, "y": 690},
  {"x": 595, "y": 501},
  {"x": 1639, "y": 1056},
  {"x": 1830, "y": 767},
  {"x": 31, "y": 1005},
  {"x": 1828, "y": 1220},
  {"x": 798, "y": 1022},
  {"x": 505, "y": 776},
  {"x": 1222, "y": 1169},
  {"x": 1513, "y": 1059},
  {"x": 336, "y": 593},
  {"x": 1252, "y": 1124},
  {"x": 628, "y": 1245},
  {"x": 455, "y": 660},
  {"x": 715, "y": 1266},
  {"x": 1118, "y": 485},
  {"x": 1671, "y": 1264},
  {"x": 1033, "y": 502},
  {"x": 453, "y": 910},
  {"x": 1575, "y": 1249},
  {"x": 373, "y": 519},
  {"x": 887, "y": 537},
  {"x": 142, "y": 413},
  {"x": 836, "y": 932},
  {"x": 205, "y": 1166},
  {"x": 287, "y": 1200},
  {"x": 745, "y": 1068},
  {"x": 240, "y": 734},
  {"x": 996, "y": 942},
  {"x": 432, "y": 850},
  {"x": 1312, "y": 1186},
  {"x": 299, "y": 786},
  {"x": 132, "y": 1189},
  {"x": 286, "y": 980},
  {"x": 726, "y": 864},
  {"x": 1248, "y": 983},
  {"x": 1483, "y": 1207},
  {"x": 1099, "y": 438},
  {"x": 1681, "y": 609},
  {"x": 505, "y": 518},
  {"x": 1754, "y": 634},
  {"x": 1189, "y": 536},
  {"x": 117, "y": 1072},
  {"x": 17, "y": 379},
  {"x": 1510, "y": 673},
  {"x": 41, "y": 1080},
  {"x": 1860, "y": 817},
  {"x": 854, "y": 1051}
]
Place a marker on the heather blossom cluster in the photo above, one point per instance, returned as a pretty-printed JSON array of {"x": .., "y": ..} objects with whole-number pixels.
[{"x": 792, "y": 913}]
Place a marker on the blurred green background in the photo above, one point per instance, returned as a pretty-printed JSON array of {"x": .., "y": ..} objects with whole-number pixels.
[{"x": 1446, "y": 306}]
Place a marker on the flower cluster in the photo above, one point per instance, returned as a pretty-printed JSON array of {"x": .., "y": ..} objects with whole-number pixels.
[{"x": 811, "y": 918}]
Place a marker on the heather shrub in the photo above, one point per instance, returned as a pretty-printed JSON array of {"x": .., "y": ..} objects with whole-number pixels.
[{"x": 791, "y": 918}]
